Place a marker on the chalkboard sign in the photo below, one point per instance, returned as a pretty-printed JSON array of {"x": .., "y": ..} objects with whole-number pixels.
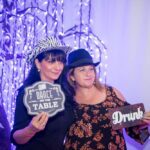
[
  {"x": 126, "y": 116},
  {"x": 44, "y": 96}
]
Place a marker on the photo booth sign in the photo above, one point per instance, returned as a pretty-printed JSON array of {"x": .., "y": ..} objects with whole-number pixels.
[
  {"x": 44, "y": 96},
  {"x": 126, "y": 116}
]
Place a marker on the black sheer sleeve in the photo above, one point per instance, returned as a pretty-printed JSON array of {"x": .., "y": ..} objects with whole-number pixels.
[{"x": 21, "y": 118}]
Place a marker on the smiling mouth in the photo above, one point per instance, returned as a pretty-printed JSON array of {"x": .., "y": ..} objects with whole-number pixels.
[
  {"x": 56, "y": 73},
  {"x": 89, "y": 79}
]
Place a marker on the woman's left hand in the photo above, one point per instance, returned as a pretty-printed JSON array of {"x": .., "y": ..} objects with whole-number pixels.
[{"x": 146, "y": 117}]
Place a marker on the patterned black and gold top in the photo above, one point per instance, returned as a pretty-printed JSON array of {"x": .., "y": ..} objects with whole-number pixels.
[{"x": 92, "y": 129}]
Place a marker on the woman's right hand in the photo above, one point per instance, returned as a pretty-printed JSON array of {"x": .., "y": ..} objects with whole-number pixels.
[{"x": 38, "y": 122}]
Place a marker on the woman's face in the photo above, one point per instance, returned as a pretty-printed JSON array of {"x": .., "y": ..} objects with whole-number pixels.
[
  {"x": 84, "y": 76},
  {"x": 49, "y": 70}
]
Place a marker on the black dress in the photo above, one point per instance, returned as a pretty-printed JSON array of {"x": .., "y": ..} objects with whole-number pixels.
[
  {"x": 92, "y": 129},
  {"x": 52, "y": 138}
]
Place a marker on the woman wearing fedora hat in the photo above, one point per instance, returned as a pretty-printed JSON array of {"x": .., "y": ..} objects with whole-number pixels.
[
  {"x": 39, "y": 132},
  {"x": 92, "y": 129}
]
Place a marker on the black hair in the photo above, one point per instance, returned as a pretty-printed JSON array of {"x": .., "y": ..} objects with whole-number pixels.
[
  {"x": 54, "y": 55},
  {"x": 67, "y": 88}
]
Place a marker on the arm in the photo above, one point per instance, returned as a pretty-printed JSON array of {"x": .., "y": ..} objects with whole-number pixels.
[
  {"x": 25, "y": 127},
  {"x": 22, "y": 136},
  {"x": 37, "y": 124},
  {"x": 146, "y": 118},
  {"x": 139, "y": 133}
]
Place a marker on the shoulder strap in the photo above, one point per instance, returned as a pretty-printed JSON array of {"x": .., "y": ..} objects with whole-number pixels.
[
  {"x": 112, "y": 95},
  {"x": 110, "y": 91}
]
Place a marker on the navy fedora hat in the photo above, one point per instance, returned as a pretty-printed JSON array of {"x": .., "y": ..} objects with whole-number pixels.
[{"x": 80, "y": 57}]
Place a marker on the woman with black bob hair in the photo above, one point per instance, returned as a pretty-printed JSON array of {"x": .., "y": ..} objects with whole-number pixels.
[
  {"x": 52, "y": 55},
  {"x": 41, "y": 132}
]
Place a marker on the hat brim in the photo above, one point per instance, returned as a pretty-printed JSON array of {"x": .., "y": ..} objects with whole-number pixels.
[
  {"x": 61, "y": 48},
  {"x": 79, "y": 64},
  {"x": 31, "y": 57},
  {"x": 64, "y": 49}
]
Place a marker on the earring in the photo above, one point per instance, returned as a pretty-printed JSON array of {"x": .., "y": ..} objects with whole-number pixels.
[
  {"x": 73, "y": 80},
  {"x": 38, "y": 70},
  {"x": 94, "y": 82}
]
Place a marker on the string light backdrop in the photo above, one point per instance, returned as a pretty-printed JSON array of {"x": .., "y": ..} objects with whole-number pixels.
[{"x": 24, "y": 22}]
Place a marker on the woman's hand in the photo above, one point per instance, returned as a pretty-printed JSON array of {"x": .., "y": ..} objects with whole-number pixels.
[
  {"x": 38, "y": 122},
  {"x": 146, "y": 118}
]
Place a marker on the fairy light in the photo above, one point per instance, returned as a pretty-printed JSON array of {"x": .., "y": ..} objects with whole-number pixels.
[{"x": 29, "y": 22}]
